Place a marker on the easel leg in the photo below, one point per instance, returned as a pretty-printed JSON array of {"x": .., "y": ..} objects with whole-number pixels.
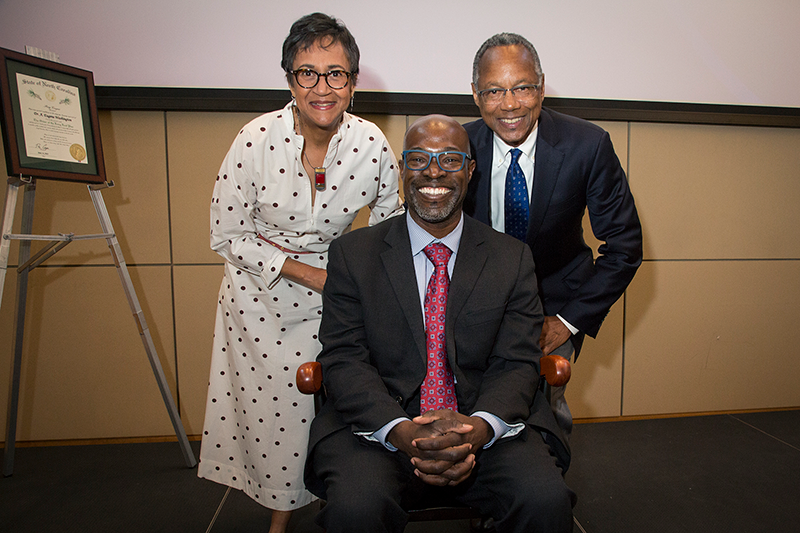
[
  {"x": 8, "y": 221},
  {"x": 19, "y": 321},
  {"x": 144, "y": 331}
]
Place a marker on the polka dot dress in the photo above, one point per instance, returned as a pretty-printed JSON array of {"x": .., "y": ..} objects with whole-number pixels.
[{"x": 255, "y": 432}]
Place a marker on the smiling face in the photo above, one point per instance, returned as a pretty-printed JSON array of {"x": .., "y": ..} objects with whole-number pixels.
[
  {"x": 321, "y": 107},
  {"x": 433, "y": 195},
  {"x": 505, "y": 67}
]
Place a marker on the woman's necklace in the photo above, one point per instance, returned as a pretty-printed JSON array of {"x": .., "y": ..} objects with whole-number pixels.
[{"x": 319, "y": 172}]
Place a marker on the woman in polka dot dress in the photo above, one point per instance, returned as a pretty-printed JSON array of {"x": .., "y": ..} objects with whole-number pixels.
[{"x": 292, "y": 182}]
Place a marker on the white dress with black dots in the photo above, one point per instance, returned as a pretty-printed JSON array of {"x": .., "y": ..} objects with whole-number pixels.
[{"x": 256, "y": 422}]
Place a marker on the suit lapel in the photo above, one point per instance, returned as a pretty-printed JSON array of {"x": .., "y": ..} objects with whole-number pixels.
[
  {"x": 547, "y": 167},
  {"x": 399, "y": 265},
  {"x": 484, "y": 151},
  {"x": 469, "y": 265},
  {"x": 545, "y": 174}
]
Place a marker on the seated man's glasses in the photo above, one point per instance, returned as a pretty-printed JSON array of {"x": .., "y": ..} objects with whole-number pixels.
[
  {"x": 308, "y": 79},
  {"x": 419, "y": 160},
  {"x": 522, "y": 93}
]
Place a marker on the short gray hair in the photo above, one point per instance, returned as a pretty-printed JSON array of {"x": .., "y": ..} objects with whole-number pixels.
[
  {"x": 317, "y": 28},
  {"x": 505, "y": 39}
]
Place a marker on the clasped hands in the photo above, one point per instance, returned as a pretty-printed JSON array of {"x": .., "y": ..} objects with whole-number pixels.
[{"x": 442, "y": 444}]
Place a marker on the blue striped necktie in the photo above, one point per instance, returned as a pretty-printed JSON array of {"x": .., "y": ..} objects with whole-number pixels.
[{"x": 516, "y": 199}]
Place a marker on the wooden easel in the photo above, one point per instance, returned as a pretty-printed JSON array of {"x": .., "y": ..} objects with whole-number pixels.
[{"x": 54, "y": 243}]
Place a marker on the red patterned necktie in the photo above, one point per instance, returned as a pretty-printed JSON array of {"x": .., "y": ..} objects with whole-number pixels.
[{"x": 438, "y": 390}]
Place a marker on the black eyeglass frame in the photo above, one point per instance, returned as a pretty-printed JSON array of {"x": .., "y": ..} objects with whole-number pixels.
[
  {"x": 325, "y": 75},
  {"x": 513, "y": 90}
]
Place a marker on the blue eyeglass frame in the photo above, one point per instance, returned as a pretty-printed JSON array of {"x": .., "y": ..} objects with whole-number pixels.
[{"x": 435, "y": 155}]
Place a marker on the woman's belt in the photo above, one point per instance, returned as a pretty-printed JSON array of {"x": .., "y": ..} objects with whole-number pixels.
[{"x": 283, "y": 248}]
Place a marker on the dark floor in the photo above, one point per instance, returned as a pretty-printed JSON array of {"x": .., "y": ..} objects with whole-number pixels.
[{"x": 722, "y": 473}]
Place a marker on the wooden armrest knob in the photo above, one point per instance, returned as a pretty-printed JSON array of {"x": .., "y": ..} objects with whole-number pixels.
[
  {"x": 309, "y": 377},
  {"x": 555, "y": 369}
]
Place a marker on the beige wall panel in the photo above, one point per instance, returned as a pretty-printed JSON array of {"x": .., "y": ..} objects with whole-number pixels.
[
  {"x": 198, "y": 143},
  {"x": 135, "y": 158},
  {"x": 196, "y": 289},
  {"x": 393, "y": 127},
  {"x": 716, "y": 192},
  {"x": 362, "y": 218},
  {"x": 618, "y": 131},
  {"x": 712, "y": 335},
  {"x": 85, "y": 373},
  {"x": 595, "y": 388},
  {"x": 691, "y": 328}
]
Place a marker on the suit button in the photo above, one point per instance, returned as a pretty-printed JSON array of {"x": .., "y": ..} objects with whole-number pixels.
[{"x": 398, "y": 399}]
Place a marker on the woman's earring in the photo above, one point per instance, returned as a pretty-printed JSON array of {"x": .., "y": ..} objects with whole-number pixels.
[
  {"x": 294, "y": 101},
  {"x": 352, "y": 99}
]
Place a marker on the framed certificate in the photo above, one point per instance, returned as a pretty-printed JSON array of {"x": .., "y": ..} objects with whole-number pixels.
[{"x": 49, "y": 120}]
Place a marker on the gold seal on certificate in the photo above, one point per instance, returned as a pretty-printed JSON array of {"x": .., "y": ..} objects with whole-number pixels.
[
  {"x": 50, "y": 95},
  {"x": 77, "y": 152}
]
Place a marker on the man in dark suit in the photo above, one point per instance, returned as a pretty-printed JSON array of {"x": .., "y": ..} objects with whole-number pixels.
[
  {"x": 385, "y": 361},
  {"x": 537, "y": 172}
]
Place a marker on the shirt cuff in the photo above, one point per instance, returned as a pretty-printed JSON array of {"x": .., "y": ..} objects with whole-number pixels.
[
  {"x": 501, "y": 429},
  {"x": 271, "y": 273},
  {"x": 380, "y": 435},
  {"x": 570, "y": 327}
]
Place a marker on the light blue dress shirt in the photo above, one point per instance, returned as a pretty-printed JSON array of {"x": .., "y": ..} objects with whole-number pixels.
[{"x": 424, "y": 269}]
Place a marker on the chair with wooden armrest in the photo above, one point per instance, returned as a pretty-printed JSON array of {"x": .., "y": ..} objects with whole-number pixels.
[{"x": 556, "y": 371}]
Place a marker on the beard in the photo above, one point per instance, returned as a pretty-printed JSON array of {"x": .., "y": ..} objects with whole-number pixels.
[{"x": 434, "y": 215}]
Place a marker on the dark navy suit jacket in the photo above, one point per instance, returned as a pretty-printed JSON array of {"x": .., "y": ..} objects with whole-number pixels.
[{"x": 575, "y": 168}]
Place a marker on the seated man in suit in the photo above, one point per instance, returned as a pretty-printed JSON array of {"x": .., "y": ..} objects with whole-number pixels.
[{"x": 430, "y": 359}]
